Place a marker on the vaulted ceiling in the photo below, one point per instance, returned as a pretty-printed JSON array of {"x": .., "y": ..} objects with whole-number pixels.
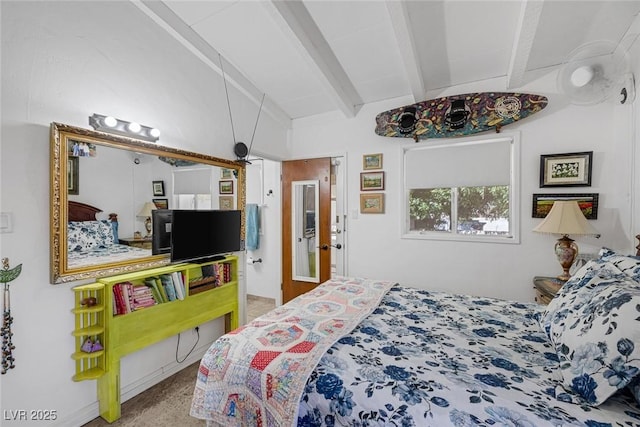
[{"x": 310, "y": 57}]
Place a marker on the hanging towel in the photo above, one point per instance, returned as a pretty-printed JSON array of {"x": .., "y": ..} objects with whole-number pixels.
[{"x": 253, "y": 227}]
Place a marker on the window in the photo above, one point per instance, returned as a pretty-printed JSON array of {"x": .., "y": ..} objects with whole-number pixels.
[
  {"x": 192, "y": 188},
  {"x": 463, "y": 191}
]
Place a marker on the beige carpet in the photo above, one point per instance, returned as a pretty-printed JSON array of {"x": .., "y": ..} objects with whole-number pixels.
[{"x": 167, "y": 403}]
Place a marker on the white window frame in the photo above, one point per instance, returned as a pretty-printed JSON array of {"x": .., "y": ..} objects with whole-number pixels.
[{"x": 514, "y": 195}]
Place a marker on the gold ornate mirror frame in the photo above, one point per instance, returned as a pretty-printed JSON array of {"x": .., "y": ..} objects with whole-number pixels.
[{"x": 60, "y": 136}]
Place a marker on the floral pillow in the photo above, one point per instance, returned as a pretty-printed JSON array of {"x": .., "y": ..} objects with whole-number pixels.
[
  {"x": 597, "y": 338},
  {"x": 629, "y": 265},
  {"x": 593, "y": 268},
  {"x": 86, "y": 235}
]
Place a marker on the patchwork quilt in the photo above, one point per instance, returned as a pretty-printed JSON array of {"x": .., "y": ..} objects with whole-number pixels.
[{"x": 423, "y": 358}]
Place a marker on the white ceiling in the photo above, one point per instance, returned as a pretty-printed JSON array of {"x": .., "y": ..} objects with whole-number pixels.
[{"x": 314, "y": 56}]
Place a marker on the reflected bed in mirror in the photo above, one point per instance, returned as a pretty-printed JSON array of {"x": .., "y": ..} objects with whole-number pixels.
[{"x": 97, "y": 231}]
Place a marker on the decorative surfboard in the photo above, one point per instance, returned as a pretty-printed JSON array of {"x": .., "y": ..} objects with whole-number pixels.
[{"x": 458, "y": 115}]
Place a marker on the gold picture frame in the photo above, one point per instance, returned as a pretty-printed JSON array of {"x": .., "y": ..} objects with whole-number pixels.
[
  {"x": 372, "y": 161},
  {"x": 225, "y": 203},
  {"x": 372, "y": 203}
]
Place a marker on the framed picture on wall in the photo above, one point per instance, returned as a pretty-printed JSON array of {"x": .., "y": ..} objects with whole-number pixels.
[
  {"x": 161, "y": 203},
  {"x": 226, "y": 187},
  {"x": 371, "y": 181},
  {"x": 72, "y": 175},
  {"x": 372, "y": 161},
  {"x": 158, "y": 188},
  {"x": 372, "y": 203},
  {"x": 566, "y": 170},
  {"x": 588, "y": 203},
  {"x": 226, "y": 173},
  {"x": 225, "y": 203}
]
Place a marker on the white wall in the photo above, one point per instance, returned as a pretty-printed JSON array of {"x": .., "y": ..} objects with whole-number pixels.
[
  {"x": 63, "y": 61},
  {"x": 263, "y": 188},
  {"x": 500, "y": 270}
]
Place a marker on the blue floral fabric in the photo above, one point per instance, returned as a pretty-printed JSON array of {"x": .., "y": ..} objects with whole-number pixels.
[
  {"x": 88, "y": 235},
  {"x": 596, "y": 334},
  {"x": 436, "y": 359}
]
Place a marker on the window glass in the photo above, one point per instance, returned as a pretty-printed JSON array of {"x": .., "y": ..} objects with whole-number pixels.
[{"x": 473, "y": 197}]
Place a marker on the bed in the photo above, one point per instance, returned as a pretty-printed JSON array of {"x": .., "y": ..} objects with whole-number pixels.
[
  {"x": 361, "y": 352},
  {"x": 91, "y": 241}
]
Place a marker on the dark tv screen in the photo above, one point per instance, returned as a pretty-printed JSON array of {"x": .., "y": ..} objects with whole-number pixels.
[
  {"x": 161, "y": 237},
  {"x": 203, "y": 234}
]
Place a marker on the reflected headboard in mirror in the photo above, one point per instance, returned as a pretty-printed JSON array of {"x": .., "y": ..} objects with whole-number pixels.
[{"x": 119, "y": 174}]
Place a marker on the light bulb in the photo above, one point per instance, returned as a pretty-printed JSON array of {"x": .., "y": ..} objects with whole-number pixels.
[
  {"x": 581, "y": 76},
  {"x": 134, "y": 127},
  {"x": 110, "y": 121},
  {"x": 155, "y": 133}
]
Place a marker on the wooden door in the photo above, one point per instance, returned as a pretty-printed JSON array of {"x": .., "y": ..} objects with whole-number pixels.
[{"x": 297, "y": 174}]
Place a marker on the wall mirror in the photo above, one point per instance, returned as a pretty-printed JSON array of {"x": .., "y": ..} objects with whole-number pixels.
[
  {"x": 304, "y": 214},
  {"x": 102, "y": 187}
]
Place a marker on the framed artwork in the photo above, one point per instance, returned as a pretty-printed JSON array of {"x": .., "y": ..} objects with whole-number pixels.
[
  {"x": 372, "y": 203},
  {"x": 226, "y": 173},
  {"x": 225, "y": 203},
  {"x": 158, "y": 188},
  {"x": 371, "y": 181},
  {"x": 588, "y": 203},
  {"x": 372, "y": 161},
  {"x": 72, "y": 175},
  {"x": 566, "y": 170},
  {"x": 226, "y": 187},
  {"x": 161, "y": 203}
]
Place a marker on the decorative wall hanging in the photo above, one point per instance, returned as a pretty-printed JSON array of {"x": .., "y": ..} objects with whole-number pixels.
[
  {"x": 372, "y": 161},
  {"x": 7, "y": 275},
  {"x": 372, "y": 203},
  {"x": 566, "y": 170},
  {"x": 158, "y": 188},
  {"x": 588, "y": 203},
  {"x": 371, "y": 181}
]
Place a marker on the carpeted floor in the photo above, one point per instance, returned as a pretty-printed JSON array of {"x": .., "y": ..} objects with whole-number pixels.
[{"x": 167, "y": 403}]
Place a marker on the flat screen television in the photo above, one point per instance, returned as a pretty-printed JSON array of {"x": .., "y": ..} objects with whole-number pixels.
[
  {"x": 204, "y": 234},
  {"x": 161, "y": 235}
]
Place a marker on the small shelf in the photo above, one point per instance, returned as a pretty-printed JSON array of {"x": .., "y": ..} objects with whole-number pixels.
[
  {"x": 88, "y": 331},
  {"x": 89, "y": 322},
  {"x": 93, "y": 309},
  {"x": 81, "y": 355},
  {"x": 90, "y": 374}
]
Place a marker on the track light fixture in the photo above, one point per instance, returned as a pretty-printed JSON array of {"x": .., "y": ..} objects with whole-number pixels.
[{"x": 120, "y": 127}]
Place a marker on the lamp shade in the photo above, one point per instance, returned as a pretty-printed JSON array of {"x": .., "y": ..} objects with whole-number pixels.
[
  {"x": 565, "y": 217},
  {"x": 146, "y": 210}
]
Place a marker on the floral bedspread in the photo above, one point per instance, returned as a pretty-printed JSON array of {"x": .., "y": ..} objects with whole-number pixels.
[
  {"x": 104, "y": 254},
  {"x": 255, "y": 375},
  {"x": 435, "y": 359}
]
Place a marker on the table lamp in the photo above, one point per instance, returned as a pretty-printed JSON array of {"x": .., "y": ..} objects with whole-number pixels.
[
  {"x": 145, "y": 212},
  {"x": 565, "y": 217}
]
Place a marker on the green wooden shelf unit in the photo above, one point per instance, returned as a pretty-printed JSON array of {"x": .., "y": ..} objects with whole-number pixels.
[{"x": 207, "y": 298}]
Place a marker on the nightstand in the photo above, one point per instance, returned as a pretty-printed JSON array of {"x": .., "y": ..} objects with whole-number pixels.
[
  {"x": 143, "y": 242},
  {"x": 546, "y": 288}
]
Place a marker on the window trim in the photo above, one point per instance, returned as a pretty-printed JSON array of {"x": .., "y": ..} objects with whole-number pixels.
[{"x": 514, "y": 195}]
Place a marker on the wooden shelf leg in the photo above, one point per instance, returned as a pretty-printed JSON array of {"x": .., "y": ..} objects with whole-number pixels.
[{"x": 109, "y": 391}]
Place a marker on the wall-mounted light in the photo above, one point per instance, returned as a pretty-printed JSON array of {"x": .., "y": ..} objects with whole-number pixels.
[{"x": 131, "y": 129}]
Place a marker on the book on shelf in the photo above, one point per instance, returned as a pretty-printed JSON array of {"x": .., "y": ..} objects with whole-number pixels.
[
  {"x": 178, "y": 283},
  {"x": 151, "y": 283},
  {"x": 169, "y": 286}
]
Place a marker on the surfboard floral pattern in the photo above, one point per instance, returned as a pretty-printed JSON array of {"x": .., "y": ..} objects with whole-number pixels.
[
  {"x": 435, "y": 359},
  {"x": 458, "y": 115}
]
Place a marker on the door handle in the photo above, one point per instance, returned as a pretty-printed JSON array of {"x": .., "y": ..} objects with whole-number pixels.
[{"x": 326, "y": 247}]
